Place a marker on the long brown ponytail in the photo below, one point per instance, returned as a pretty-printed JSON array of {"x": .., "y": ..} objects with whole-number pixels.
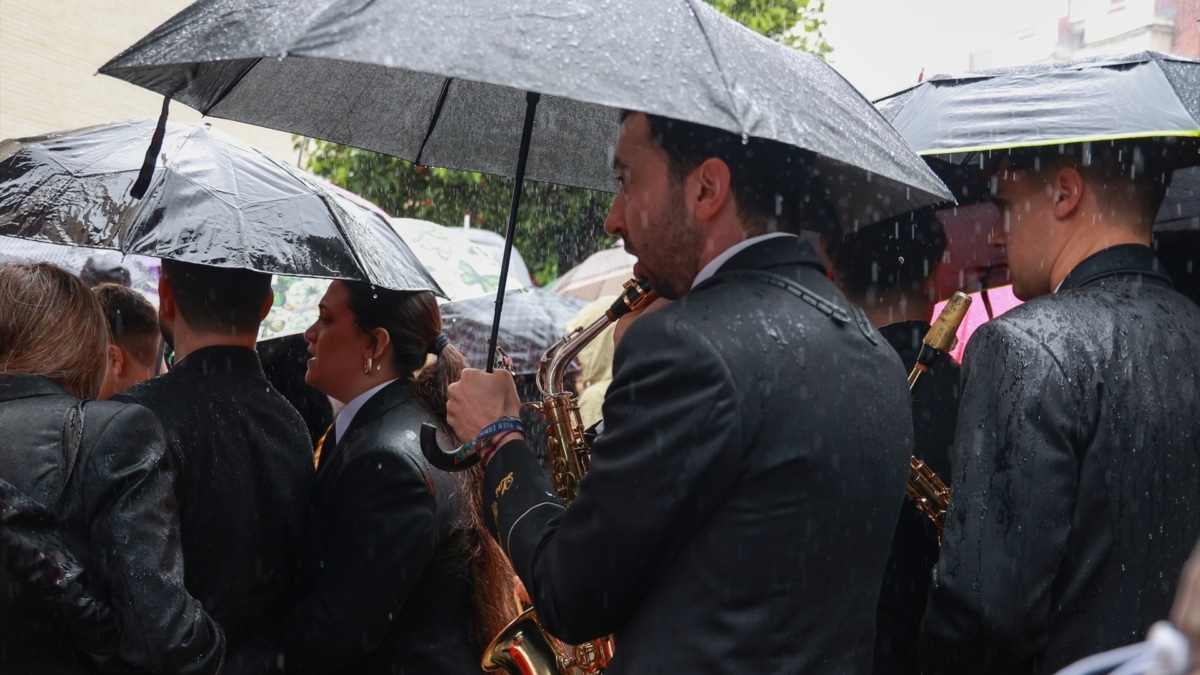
[{"x": 414, "y": 326}]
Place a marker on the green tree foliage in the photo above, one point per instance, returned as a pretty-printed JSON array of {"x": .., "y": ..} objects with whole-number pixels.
[
  {"x": 559, "y": 226},
  {"x": 799, "y": 24}
]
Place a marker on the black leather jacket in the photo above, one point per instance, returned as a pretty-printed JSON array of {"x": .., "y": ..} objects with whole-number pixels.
[
  {"x": 118, "y": 511},
  {"x": 1076, "y": 473}
]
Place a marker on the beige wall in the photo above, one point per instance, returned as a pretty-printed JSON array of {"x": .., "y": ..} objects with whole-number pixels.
[{"x": 50, "y": 51}]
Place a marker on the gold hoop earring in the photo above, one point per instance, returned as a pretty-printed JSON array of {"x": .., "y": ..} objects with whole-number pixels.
[{"x": 367, "y": 366}]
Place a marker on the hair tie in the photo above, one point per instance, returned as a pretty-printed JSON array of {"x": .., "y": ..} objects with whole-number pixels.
[{"x": 439, "y": 343}]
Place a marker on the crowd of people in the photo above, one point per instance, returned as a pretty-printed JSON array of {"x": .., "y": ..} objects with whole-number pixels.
[{"x": 744, "y": 506}]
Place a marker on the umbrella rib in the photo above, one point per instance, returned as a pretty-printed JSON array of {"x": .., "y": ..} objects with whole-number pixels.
[
  {"x": 228, "y": 88},
  {"x": 708, "y": 41},
  {"x": 437, "y": 114}
]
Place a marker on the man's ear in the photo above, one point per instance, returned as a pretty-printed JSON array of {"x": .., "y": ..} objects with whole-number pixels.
[
  {"x": 267, "y": 305},
  {"x": 708, "y": 188},
  {"x": 1066, "y": 191},
  {"x": 116, "y": 360}
]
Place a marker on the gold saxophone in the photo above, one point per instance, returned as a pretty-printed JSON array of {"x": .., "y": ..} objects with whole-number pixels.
[
  {"x": 523, "y": 647},
  {"x": 925, "y": 489}
]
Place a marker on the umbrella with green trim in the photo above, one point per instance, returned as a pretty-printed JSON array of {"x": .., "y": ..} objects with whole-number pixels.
[{"x": 952, "y": 120}]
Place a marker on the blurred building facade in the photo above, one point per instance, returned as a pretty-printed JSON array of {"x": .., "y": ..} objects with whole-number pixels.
[
  {"x": 50, "y": 51},
  {"x": 1094, "y": 27}
]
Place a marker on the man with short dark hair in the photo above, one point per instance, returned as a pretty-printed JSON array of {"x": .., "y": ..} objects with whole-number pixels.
[
  {"x": 133, "y": 354},
  {"x": 740, "y": 501},
  {"x": 1077, "y": 455},
  {"x": 889, "y": 270},
  {"x": 246, "y": 459}
]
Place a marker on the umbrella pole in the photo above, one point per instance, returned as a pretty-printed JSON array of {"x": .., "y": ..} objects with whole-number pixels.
[
  {"x": 467, "y": 455},
  {"x": 531, "y": 102}
]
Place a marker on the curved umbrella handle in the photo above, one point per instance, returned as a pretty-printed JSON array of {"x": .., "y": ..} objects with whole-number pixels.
[{"x": 460, "y": 459}]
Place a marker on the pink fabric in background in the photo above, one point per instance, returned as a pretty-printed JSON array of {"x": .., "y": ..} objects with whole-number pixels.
[{"x": 1002, "y": 300}]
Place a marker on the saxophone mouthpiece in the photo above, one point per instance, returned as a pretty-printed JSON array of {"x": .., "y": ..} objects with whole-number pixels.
[
  {"x": 637, "y": 295},
  {"x": 942, "y": 334}
]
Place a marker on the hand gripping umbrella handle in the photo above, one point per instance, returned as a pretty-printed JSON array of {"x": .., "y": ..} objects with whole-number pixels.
[
  {"x": 459, "y": 459},
  {"x": 466, "y": 455}
]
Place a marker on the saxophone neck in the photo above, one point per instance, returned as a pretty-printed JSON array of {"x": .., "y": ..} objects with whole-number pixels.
[{"x": 555, "y": 361}]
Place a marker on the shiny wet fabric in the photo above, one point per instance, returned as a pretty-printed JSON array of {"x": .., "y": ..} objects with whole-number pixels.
[
  {"x": 1076, "y": 473},
  {"x": 119, "y": 515},
  {"x": 742, "y": 496},
  {"x": 245, "y": 481},
  {"x": 443, "y": 84},
  {"x": 386, "y": 565}
]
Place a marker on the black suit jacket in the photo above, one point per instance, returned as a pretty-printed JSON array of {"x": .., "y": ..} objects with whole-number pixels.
[
  {"x": 244, "y": 486},
  {"x": 118, "y": 511},
  {"x": 1076, "y": 473},
  {"x": 915, "y": 544},
  {"x": 742, "y": 496},
  {"x": 387, "y": 562}
]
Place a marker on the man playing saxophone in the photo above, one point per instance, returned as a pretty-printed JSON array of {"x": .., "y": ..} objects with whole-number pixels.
[{"x": 740, "y": 501}]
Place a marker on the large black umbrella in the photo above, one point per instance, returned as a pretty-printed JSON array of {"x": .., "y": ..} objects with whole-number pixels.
[
  {"x": 444, "y": 82},
  {"x": 211, "y": 200},
  {"x": 1146, "y": 97}
]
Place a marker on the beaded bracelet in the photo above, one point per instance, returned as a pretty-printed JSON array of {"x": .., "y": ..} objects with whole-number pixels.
[{"x": 496, "y": 434}]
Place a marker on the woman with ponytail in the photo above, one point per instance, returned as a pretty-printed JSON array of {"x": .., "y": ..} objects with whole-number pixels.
[{"x": 399, "y": 575}]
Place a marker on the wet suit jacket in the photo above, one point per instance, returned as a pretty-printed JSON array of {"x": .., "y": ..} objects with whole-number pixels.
[
  {"x": 386, "y": 565},
  {"x": 742, "y": 496},
  {"x": 1076, "y": 473},
  {"x": 244, "y": 487}
]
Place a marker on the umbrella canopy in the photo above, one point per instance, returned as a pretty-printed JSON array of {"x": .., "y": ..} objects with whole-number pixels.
[
  {"x": 1143, "y": 95},
  {"x": 493, "y": 243},
  {"x": 143, "y": 271},
  {"x": 444, "y": 83},
  {"x": 533, "y": 320},
  {"x": 602, "y": 273},
  {"x": 213, "y": 200},
  {"x": 952, "y": 120},
  {"x": 461, "y": 267},
  {"x": 295, "y": 306}
]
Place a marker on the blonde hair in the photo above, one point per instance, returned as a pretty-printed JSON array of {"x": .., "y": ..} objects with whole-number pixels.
[{"x": 51, "y": 324}]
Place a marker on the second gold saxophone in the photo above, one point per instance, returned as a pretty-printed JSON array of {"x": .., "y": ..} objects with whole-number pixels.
[
  {"x": 925, "y": 489},
  {"x": 524, "y": 647}
]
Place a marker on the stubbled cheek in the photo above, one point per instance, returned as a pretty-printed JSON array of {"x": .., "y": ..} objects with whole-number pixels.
[{"x": 644, "y": 219}]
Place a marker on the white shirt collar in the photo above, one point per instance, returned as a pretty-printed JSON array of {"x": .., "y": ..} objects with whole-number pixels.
[
  {"x": 346, "y": 416},
  {"x": 716, "y": 263}
]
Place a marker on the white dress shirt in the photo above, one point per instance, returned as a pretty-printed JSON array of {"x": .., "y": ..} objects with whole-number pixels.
[
  {"x": 346, "y": 416},
  {"x": 715, "y": 264}
]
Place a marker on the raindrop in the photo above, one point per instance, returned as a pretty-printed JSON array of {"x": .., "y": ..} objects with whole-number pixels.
[{"x": 745, "y": 139}]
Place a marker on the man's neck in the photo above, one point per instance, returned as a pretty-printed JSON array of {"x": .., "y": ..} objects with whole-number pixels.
[
  {"x": 1076, "y": 251},
  {"x": 188, "y": 342}
]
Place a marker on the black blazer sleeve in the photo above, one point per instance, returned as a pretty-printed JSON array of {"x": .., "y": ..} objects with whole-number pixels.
[
  {"x": 668, "y": 454},
  {"x": 1015, "y": 486},
  {"x": 127, "y": 483},
  {"x": 384, "y": 535}
]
